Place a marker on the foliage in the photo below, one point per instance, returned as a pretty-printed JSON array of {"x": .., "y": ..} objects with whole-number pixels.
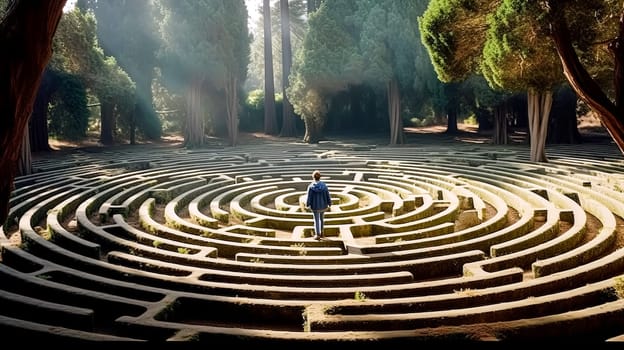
[
  {"x": 453, "y": 31},
  {"x": 515, "y": 56},
  {"x": 508, "y": 41},
  {"x": 205, "y": 51},
  {"x": 593, "y": 24},
  {"x": 359, "y": 296},
  {"x": 353, "y": 43},
  {"x": 423, "y": 122},
  {"x": 169, "y": 106},
  {"x": 389, "y": 41},
  {"x": 203, "y": 40},
  {"x": 252, "y": 114},
  {"x": 619, "y": 286},
  {"x": 126, "y": 31},
  {"x": 68, "y": 113},
  {"x": 76, "y": 51},
  {"x": 471, "y": 120},
  {"x": 324, "y": 66}
]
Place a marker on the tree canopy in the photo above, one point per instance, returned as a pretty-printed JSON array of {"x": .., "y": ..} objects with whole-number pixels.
[
  {"x": 522, "y": 44},
  {"x": 351, "y": 43}
]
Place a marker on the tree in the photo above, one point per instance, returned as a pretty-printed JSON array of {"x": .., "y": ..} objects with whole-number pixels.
[
  {"x": 351, "y": 43},
  {"x": 389, "y": 44},
  {"x": 502, "y": 45},
  {"x": 298, "y": 27},
  {"x": 28, "y": 28},
  {"x": 77, "y": 52},
  {"x": 270, "y": 120},
  {"x": 38, "y": 124},
  {"x": 532, "y": 46},
  {"x": 125, "y": 30},
  {"x": 328, "y": 62},
  {"x": 515, "y": 59},
  {"x": 563, "y": 122},
  {"x": 489, "y": 106},
  {"x": 206, "y": 47},
  {"x": 288, "y": 123},
  {"x": 569, "y": 31}
]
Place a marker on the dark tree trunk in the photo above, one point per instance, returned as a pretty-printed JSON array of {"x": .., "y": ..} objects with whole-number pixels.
[
  {"x": 394, "y": 113},
  {"x": 451, "y": 114},
  {"x": 24, "y": 165},
  {"x": 611, "y": 114},
  {"x": 133, "y": 118},
  {"x": 563, "y": 119},
  {"x": 135, "y": 115},
  {"x": 500, "y": 136},
  {"x": 517, "y": 110},
  {"x": 107, "y": 118},
  {"x": 370, "y": 110},
  {"x": 313, "y": 131},
  {"x": 270, "y": 120},
  {"x": 485, "y": 119},
  {"x": 231, "y": 103},
  {"x": 288, "y": 123},
  {"x": 194, "y": 128},
  {"x": 38, "y": 126},
  {"x": 28, "y": 29},
  {"x": 452, "y": 107}
]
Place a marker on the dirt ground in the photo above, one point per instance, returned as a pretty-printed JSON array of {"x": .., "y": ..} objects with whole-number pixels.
[{"x": 589, "y": 126}]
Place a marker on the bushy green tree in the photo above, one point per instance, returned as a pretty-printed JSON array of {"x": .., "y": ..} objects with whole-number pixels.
[
  {"x": 351, "y": 43},
  {"x": 76, "y": 51},
  {"x": 520, "y": 45},
  {"x": 127, "y": 30},
  {"x": 328, "y": 62},
  {"x": 205, "y": 48},
  {"x": 68, "y": 112}
]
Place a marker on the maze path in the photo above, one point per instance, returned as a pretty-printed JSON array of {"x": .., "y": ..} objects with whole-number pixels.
[{"x": 442, "y": 243}]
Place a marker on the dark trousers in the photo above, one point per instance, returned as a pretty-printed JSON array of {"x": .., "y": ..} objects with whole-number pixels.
[{"x": 318, "y": 221}]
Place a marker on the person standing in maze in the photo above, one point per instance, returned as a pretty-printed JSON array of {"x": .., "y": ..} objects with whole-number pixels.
[{"x": 318, "y": 201}]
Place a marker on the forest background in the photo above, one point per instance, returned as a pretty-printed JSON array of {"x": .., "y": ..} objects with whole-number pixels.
[{"x": 142, "y": 71}]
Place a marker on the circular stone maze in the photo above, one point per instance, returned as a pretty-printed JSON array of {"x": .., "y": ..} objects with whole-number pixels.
[{"x": 422, "y": 244}]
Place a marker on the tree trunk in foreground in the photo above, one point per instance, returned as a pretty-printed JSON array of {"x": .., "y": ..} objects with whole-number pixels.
[{"x": 28, "y": 29}]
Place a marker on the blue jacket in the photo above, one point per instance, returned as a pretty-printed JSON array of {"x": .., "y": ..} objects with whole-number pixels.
[{"x": 318, "y": 196}]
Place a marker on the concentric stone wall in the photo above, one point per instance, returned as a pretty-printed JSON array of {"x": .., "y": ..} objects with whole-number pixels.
[{"x": 422, "y": 243}]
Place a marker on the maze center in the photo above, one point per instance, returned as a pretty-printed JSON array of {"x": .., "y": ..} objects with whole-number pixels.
[{"x": 453, "y": 243}]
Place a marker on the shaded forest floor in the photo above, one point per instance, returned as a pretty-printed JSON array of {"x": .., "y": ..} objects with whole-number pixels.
[{"x": 589, "y": 127}]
